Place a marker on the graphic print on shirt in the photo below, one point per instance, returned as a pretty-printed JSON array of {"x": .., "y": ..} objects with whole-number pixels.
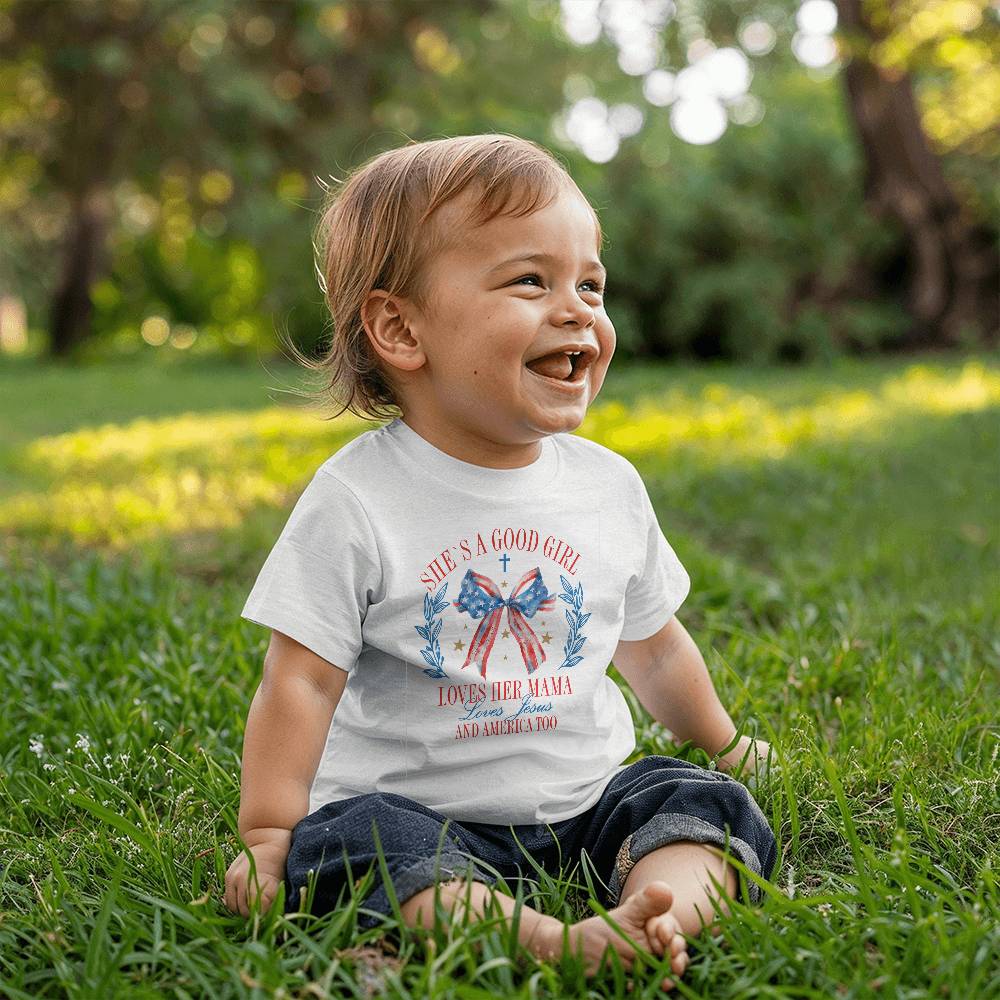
[{"x": 502, "y": 629}]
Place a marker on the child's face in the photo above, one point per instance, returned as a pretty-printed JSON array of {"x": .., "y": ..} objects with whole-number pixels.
[{"x": 489, "y": 318}]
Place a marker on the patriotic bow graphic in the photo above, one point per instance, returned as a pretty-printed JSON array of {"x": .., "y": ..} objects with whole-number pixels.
[{"x": 481, "y": 598}]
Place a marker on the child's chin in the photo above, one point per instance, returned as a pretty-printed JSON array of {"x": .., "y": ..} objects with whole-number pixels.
[{"x": 560, "y": 420}]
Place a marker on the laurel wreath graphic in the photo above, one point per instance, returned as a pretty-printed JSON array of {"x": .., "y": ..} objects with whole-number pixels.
[
  {"x": 431, "y": 629},
  {"x": 575, "y": 640}
]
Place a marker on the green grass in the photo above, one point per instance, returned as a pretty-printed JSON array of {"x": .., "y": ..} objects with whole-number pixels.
[{"x": 841, "y": 527}]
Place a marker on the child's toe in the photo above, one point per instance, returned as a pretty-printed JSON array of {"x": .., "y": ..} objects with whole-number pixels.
[
  {"x": 655, "y": 936},
  {"x": 667, "y": 931},
  {"x": 679, "y": 963}
]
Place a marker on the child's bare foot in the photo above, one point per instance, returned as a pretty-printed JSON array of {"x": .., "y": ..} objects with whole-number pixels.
[{"x": 644, "y": 917}]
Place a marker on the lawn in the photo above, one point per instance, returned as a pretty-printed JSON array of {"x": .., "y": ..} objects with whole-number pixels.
[{"x": 841, "y": 526}]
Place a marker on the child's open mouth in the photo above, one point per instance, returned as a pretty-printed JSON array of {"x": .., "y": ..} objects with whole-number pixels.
[{"x": 565, "y": 369}]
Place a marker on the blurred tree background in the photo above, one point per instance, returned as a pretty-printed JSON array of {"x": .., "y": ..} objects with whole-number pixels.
[{"x": 777, "y": 180}]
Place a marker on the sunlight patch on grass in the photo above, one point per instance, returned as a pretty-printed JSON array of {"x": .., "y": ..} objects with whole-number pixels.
[
  {"x": 118, "y": 485},
  {"x": 725, "y": 423},
  {"x": 208, "y": 438}
]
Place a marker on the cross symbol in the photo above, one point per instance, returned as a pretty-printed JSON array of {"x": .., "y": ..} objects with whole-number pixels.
[{"x": 504, "y": 559}]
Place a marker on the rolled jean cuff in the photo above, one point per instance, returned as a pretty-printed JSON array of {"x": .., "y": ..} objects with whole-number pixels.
[
  {"x": 666, "y": 828},
  {"x": 412, "y": 880}
]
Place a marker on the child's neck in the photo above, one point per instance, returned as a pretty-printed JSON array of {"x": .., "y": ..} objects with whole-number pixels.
[{"x": 472, "y": 448}]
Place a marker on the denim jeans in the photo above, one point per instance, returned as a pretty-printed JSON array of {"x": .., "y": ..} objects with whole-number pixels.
[{"x": 652, "y": 802}]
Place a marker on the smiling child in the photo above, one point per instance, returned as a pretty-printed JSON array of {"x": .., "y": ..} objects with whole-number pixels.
[{"x": 451, "y": 586}]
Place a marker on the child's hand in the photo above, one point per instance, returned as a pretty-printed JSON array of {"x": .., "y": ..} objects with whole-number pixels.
[
  {"x": 269, "y": 857},
  {"x": 756, "y": 753}
]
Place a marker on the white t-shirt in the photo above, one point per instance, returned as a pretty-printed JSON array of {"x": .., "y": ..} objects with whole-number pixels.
[{"x": 476, "y": 611}]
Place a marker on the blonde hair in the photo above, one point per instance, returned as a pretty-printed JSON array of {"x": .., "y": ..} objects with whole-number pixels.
[{"x": 376, "y": 231}]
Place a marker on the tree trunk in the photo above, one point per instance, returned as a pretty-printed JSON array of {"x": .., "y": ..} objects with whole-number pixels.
[
  {"x": 954, "y": 280},
  {"x": 83, "y": 262}
]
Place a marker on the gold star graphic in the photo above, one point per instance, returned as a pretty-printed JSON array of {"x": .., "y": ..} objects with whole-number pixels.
[
  {"x": 459, "y": 644},
  {"x": 505, "y": 633},
  {"x": 546, "y": 637}
]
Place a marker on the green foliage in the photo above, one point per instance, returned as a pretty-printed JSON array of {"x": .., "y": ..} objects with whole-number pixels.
[
  {"x": 757, "y": 247},
  {"x": 207, "y": 123}
]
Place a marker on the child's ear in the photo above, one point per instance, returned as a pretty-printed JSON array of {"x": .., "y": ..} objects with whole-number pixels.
[{"x": 389, "y": 331}]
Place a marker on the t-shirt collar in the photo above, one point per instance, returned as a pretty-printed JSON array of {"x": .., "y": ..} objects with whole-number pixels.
[{"x": 478, "y": 479}]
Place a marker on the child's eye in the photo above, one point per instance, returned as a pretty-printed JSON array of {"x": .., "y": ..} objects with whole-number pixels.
[{"x": 598, "y": 287}]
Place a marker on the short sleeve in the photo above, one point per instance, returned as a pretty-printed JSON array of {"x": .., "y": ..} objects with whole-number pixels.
[
  {"x": 659, "y": 583},
  {"x": 321, "y": 575}
]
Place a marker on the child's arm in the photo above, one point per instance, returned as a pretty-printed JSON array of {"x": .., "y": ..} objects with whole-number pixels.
[
  {"x": 286, "y": 730},
  {"x": 669, "y": 676}
]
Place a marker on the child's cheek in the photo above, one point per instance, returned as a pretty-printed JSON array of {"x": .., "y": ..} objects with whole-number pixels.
[
  {"x": 607, "y": 340},
  {"x": 597, "y": 377}
]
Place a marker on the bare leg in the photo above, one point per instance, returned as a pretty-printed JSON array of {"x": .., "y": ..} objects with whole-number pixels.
[
  {"x": 536, "y": 931},
  {"x": 543, "y": 935},
  {"x": 684, "y": 865}
]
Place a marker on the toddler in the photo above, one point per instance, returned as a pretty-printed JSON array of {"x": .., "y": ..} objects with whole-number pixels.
[{"x": 449, "y": 589}]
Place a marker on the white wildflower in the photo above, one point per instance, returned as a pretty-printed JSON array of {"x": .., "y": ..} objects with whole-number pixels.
[
  {"x": 83, "y": 741},
  {"x": 49, "y": 767},
  {"x": 36, "y": 747},
  {"x": 825, "y": 908},
  {"x": 70, "y": 791},
  {"x": 790, "y": 889}
]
